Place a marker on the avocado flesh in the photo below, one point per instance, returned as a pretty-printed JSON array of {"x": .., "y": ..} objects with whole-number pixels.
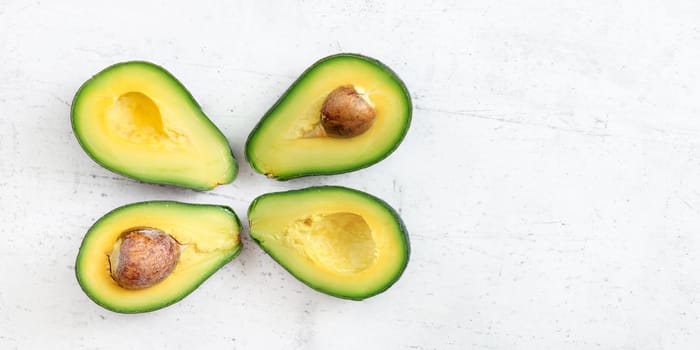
[
  {"x": 286, "y": 142},
  {"x": 136, "y": 119},
  {"x": 337, "y": 240},
  {"x": 208, "y": 235}
]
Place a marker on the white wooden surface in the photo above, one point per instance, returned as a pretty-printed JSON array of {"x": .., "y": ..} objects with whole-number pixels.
[{"x": 550, "y": 179}]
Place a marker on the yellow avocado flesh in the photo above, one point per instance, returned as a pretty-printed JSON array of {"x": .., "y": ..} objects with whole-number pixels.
[
  {"x": 136, "y": 119},
  {"x": 285, "y": 143},
  {"x": 208, "y": 235},
  {"x": 338, "y": 241}
]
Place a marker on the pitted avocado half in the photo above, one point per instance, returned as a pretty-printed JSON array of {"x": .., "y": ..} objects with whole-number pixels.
[
  {"x": 148, "y": 255},
  {"x": 345, "y": 112}
]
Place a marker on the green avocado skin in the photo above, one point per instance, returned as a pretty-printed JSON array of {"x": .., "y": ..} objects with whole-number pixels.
[
  {"x": 215, "y": 132},
  {"x": 165, "y": 302},
  {"x": 320, "y": 189},
  {"x": 312, "y": 172}
]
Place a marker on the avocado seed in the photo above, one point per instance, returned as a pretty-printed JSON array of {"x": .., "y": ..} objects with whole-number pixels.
[
  {"x": 142, "y": 257},
  {"x": 346, "y": 112}
]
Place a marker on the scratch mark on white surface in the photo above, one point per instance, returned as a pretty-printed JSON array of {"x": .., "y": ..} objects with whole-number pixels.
[
  {"x": 554, "y": 222},
  {"x": 419, "y": 236},
  {"x": 64, "y": 102},
  {"x": 212, "y": 194},
  {"x": 490, "y": 235},
  {"x": 4, "y": 337},
  {"x": 201, "y": 65},
  {"x": 484, "y": 253},
  {"x": 471, "y": 114},
  {"x": 265, "y": 74},
  {"x": 399, "y": 189},
  {"x": 110, "y": 177},
  {"x": 22, "y": 9},
  {"x": 99, "y": 54},
  {"x": 15, "y": 141},
  {"x": 688, "y": 205}
]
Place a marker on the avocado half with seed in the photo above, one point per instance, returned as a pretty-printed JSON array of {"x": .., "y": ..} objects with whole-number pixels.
[
  {"x": 336, "y": 240},
  {"x": 145, "y": 256},
  {"x": 136, "y": 119},
  {"x": 344, "y": 113}
]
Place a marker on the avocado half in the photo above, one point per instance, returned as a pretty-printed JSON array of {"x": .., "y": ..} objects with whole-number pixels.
[
  {"x": 136, "y": 119},
  {"x": 207, "y": 235},
  {"x": 286, "y": 143},
  {"x": 337, "y": 240}
]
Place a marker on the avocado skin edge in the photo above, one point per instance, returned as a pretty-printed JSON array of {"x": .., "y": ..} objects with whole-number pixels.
[
  {"x": 190, "y": 98},
  {"x": 167, "y": 303},
  {"x": 402, "y": 229},
  {"x": 399, "y": 140}
]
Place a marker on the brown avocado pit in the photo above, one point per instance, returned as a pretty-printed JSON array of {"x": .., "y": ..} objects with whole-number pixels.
[
  {"x": 346, "y": 112},
  {"x": 142, "y": 257}
]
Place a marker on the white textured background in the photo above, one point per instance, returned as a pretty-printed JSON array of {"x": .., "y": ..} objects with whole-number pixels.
[{"x": 550, "y": 180}]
